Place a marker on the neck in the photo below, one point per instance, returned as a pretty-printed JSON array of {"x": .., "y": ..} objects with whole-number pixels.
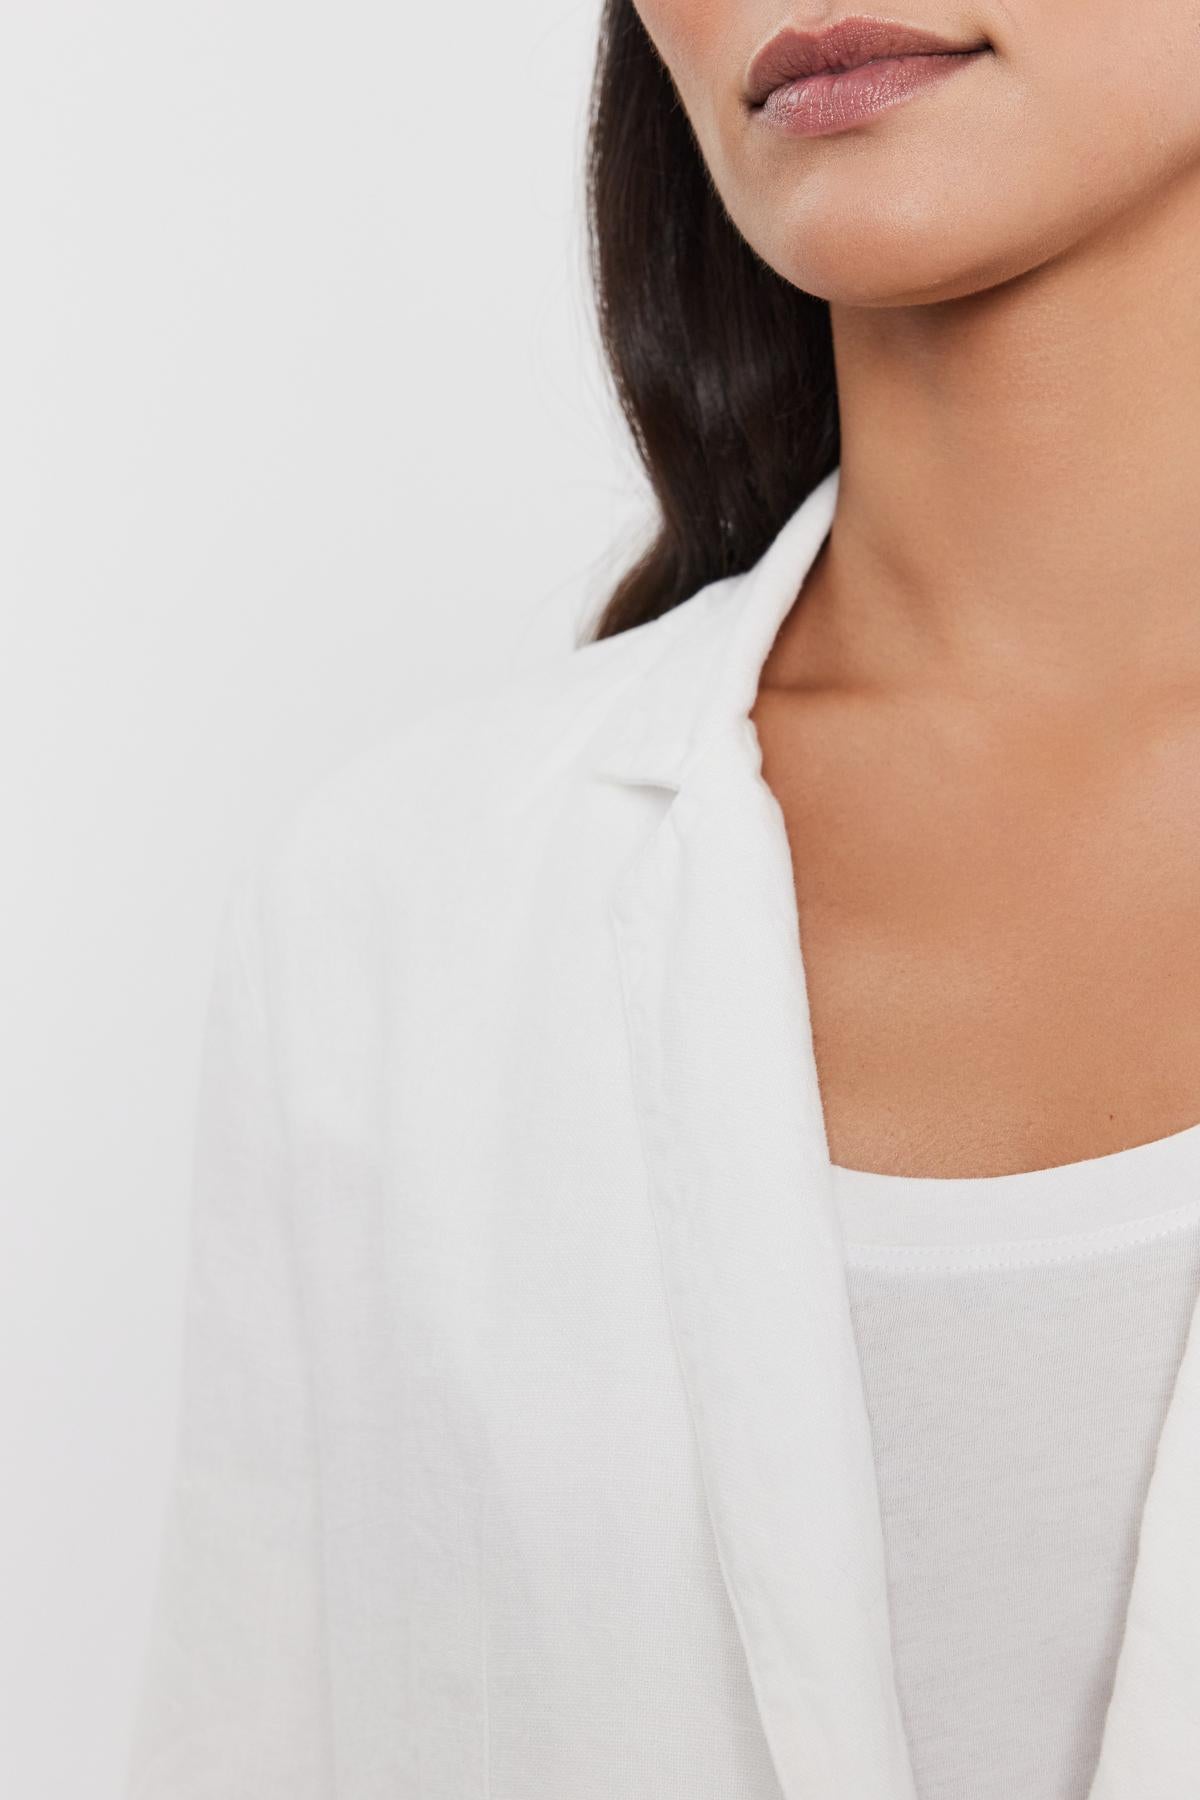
[{"x": 1020, "y": 474}]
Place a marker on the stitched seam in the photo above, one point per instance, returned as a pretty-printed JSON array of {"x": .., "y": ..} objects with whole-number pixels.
[{"x": 942, "y": 1259}]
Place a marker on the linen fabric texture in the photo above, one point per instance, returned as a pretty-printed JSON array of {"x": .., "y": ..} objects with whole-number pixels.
[{"x": 523, "y": 1449}]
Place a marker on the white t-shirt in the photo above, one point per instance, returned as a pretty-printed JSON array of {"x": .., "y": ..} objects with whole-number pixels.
[{"x": 1019, "y": 1337}]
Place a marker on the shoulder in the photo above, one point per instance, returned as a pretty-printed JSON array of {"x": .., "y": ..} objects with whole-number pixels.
[{"x": 457, "y": 773}]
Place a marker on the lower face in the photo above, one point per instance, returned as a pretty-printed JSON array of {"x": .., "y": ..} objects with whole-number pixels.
[{"x": 928, "y": 178}]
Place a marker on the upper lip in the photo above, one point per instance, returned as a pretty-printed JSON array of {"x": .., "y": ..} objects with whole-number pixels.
[{"x": 794, "y": 52}]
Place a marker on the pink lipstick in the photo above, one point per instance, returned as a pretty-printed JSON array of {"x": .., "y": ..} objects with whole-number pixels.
[{"x": 811, "y": 83}]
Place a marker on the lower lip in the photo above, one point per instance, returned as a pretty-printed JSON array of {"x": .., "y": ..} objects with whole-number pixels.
[{"x": 819, "y": 104}]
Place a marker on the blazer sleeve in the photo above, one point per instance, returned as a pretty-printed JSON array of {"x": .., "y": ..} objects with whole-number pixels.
[{"x": 233, "y": 1703}]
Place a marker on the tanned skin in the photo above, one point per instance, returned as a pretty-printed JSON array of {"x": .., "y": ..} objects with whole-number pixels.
[{"x": 981, "y": 718}]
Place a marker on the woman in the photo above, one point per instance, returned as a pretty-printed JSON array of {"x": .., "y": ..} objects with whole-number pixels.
[{"x": 630, "y": 1358}]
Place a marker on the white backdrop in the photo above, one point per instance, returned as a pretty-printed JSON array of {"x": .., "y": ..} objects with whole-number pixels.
[{"x": 302, "y": 427}]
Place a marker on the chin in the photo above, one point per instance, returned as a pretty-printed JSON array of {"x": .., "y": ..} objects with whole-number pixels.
[{"x": 888, "y": 262}]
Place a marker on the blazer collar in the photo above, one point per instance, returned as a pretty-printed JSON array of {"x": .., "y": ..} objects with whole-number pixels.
[
  {"x": 739, "y": 1185},
  {"x": 708, "y": 653}
]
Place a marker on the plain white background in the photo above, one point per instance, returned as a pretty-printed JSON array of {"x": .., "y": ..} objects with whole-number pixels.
[{"x": 302, "y": 427}]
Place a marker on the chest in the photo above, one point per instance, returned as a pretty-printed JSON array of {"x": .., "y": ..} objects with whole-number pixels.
[
  {"x": 598, "y": 1487},
  {"x": 1000, "y": 956}
]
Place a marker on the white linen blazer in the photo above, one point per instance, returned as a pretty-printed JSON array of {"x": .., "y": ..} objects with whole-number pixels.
[{"x": 523, "y": 1451}]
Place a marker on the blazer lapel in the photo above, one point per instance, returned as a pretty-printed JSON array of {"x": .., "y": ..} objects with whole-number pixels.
[
  {"x": 1151, "y": 1746},
  {"x": 734, "y": 1140}
]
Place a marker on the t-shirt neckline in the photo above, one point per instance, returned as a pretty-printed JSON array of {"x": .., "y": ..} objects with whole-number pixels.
[{"x": 1070, "y": 1210}]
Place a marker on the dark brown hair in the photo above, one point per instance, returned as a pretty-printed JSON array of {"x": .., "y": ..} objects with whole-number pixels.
[{"x": 723, "y": 370}]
